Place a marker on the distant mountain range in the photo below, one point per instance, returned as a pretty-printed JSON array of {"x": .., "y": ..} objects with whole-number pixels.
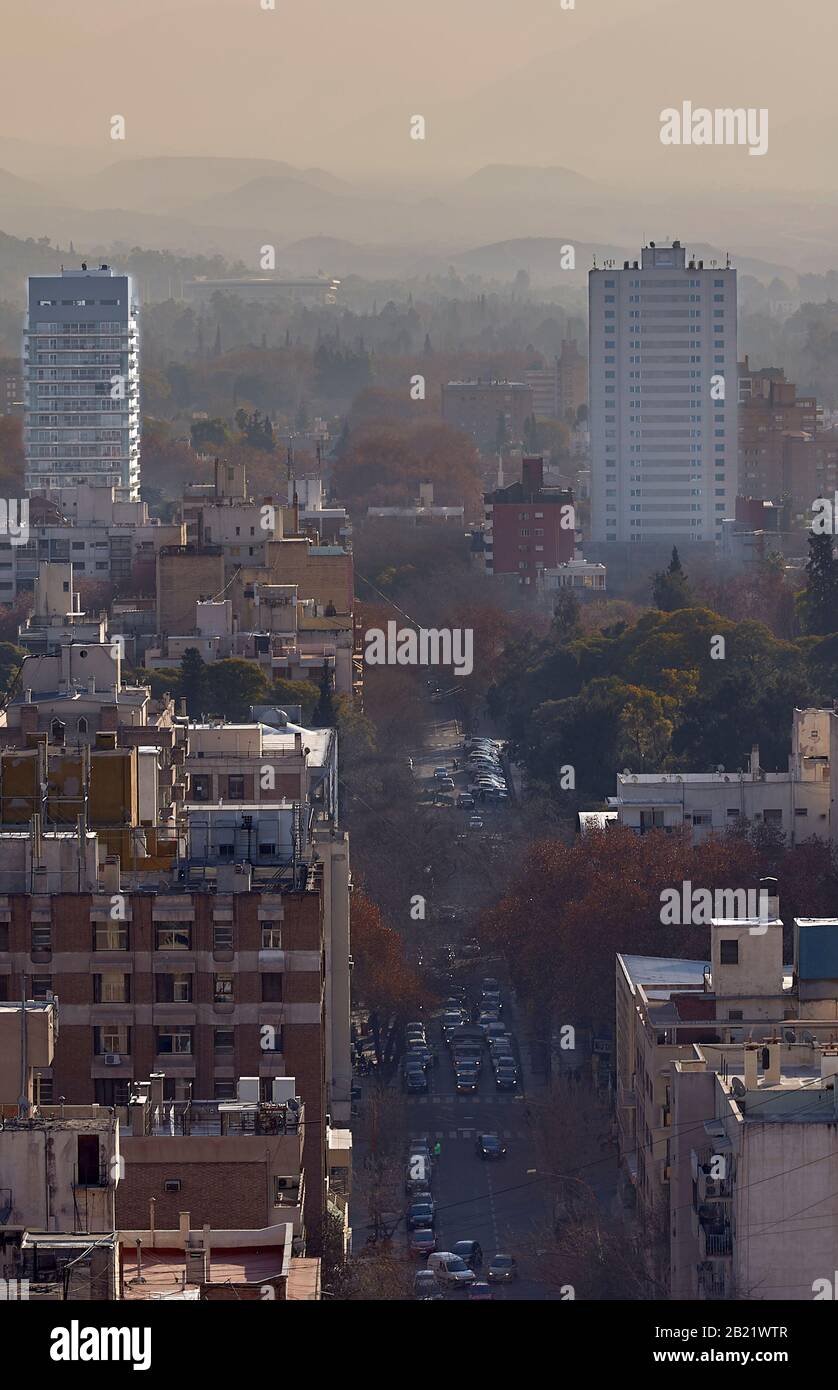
[{"x": 494, "y": 222}]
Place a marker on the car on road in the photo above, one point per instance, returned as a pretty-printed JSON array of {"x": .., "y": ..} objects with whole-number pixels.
[
  {"x": 421, "y": 1213},
  {"x": 497, "y": 1030},
  {"x": 425, "y": 1286},
  {"x": 414, "y": 1030},
  {"x": 502, "y": 1270},
  {"x": 445, "y": 784},
  {"x": 475, "y": 823},
  {"x": 465, "y": 802},
  {"x": 420, "y": 1052},
  {"x": 490, "y": 985},
  {"x": 422, "y": 1242},
  {"x": 448, "y": 1268},
  {"x": 486, "y": 1019},
  {"x": 479, "y": 1291},
  {"x": 470, "y": 1251},
  {"x": 490, "y": 1146},
  {"x": 421, "y": 1149},
  {"x": 440, "y": 772},
  {"x": 470, "y": 949},
  {"x": 448, "y": 913},
  {"x": 467, "y": 1081},
  {"x": 506, "y": 1077},
  {"x": 415, "y": 1081}
]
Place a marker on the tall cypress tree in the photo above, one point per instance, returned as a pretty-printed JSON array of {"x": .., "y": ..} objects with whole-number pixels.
[
  {"x": 820, "y": 603},
  {"x": 324, "y": 715}
]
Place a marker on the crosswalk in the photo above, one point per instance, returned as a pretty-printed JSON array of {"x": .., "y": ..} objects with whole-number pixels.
[
  {"x": 467, "y": 1100},
  {"x": 466, "y": 1134}
]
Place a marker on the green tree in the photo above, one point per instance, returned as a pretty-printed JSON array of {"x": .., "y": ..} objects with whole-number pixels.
[
  {"x": 819, "y": 600},
  {"x": 303, "y": 693},
  {"x": 208, "y": 432},
  {"x": 670, "y": 589},
  {"x": 11, "y": 657},
  {"x": 232, "y": 687},
  {"x": 324, "y": 715},
  {"x": 193, "y": 681}
]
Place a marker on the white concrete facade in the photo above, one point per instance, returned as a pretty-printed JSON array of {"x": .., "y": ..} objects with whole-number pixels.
[{"x": 663, "y": 450}]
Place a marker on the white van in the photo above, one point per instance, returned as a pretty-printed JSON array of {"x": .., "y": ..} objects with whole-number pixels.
[{"x": 449, "y": 1268}]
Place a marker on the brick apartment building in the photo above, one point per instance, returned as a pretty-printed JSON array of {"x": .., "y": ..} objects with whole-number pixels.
[
  {"x": 478, "y": 407},
  {"x": 769, "y": 410},
  {"x": 205, "y": 987},
  {"x": 529, "y": 527}
]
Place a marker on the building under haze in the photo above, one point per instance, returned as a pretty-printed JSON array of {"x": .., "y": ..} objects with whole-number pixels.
[
  {"x": 82, "y": 381},
  {"x": 663, "y": 446}
]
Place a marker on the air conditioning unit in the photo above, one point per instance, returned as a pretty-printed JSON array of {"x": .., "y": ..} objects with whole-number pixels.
[
  {"x": 171, "y": 1185},
  {"x": 112, "y": 1059}
]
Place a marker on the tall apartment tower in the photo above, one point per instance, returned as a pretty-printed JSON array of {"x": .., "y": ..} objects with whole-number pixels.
[
  {"x": 663, "y": 446},
  {"x": 82, "y": 381}
]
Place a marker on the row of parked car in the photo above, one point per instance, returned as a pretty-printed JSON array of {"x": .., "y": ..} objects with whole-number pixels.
[{"x": 487, "y": 781}]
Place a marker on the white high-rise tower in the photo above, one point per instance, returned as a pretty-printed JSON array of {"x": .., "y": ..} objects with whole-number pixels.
[
  {"x": 82, "y": 381},
  {"x": 663, "y": 398}
]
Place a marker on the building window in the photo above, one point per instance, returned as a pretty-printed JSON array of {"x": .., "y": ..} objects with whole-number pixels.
[
  {"x": 41, "y": 986},
  {"x": 56, "y": 729},
  {"x": 271, "y": 988},
  {"x": 174, "y": 1042},
  {"x": 110, "y": 936},
  {"x": 729, "y": 952},
  {"x": 223, "y": 989},
  {"x": 199, "y": 786},
  {"x": 82, "y": 725},
  {"x": 225, "y": 1088},
  {"x": 111, "y": 987},
  {"x": 88, "y": 1169},
  {"x": 111, "y": 1037},
  {"x": 271, "y": 936},
  {"x": 222, "y": 936},
  {"x": 41, "y": 936},
  {"x": 173, "y": 989},
  {"x": 772, "y": 817},
  {"x": 224, "y": 1042},
  {"x": 235, "y": 788},
  {"x": 173, "y": 936}
]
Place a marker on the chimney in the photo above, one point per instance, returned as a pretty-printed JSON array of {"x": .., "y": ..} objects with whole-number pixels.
[
  {"x": 532, "y": 475},
  {"x": 183, "y": 1223},
  {"x": 772, "y": 1071},
  {"x": 91, "y": 685},
  {"x": 755, "y": 761},
  {"x": 769, "y": 899},
  {"x": 110, "y": 876},
  {"x": 751, "y": 1059},
  {"x": 156, "y": 1095},
  {"x": 29, "y": 717}
]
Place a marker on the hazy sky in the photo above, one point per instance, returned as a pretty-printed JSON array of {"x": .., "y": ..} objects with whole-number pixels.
[{"x": 334, "y": 84}]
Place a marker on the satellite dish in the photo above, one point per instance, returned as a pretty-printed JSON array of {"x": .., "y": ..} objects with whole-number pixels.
[
  {"x": 789, "y": 1035},
  {"x": 626, "y": 771}
]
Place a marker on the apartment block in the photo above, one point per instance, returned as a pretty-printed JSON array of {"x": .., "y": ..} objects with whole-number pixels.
[
  {"x": 485, "y": 408},
  {"x": 769, "y": 410},
  {"x": 529, "y": 527},
  {"x": 797, "y": 802},
  {"x": 663, "y": 398},
  {"x": 680, "y": 1019},
  {"x": 81, "y": 380}
]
